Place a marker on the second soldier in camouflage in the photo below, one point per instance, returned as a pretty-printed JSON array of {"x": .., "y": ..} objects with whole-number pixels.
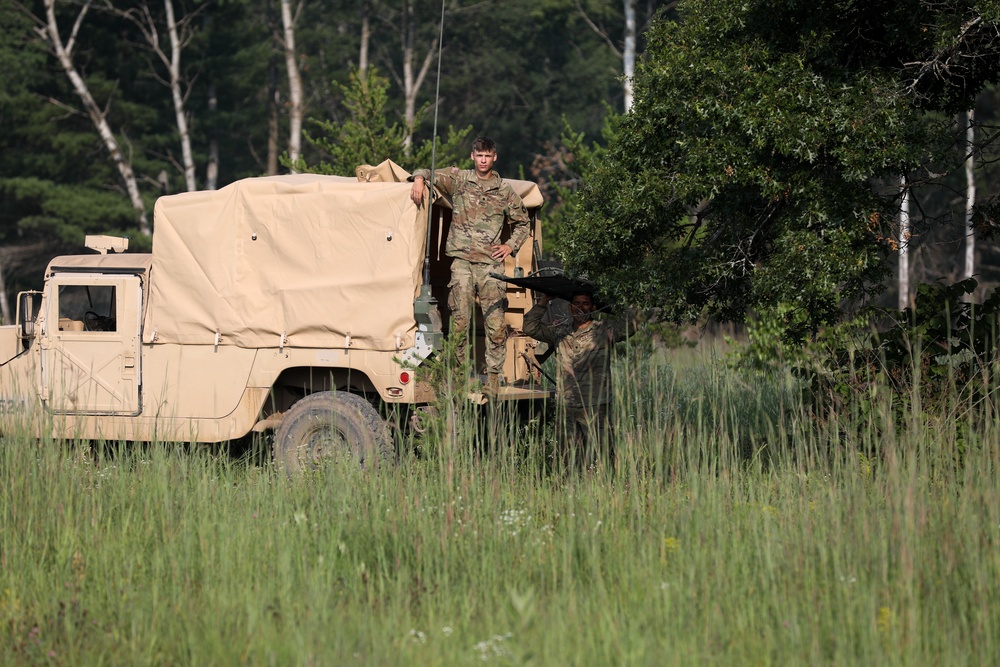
[{"x": 583, "y": 386}]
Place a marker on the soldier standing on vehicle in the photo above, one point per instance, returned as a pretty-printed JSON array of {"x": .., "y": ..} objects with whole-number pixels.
[
  {"x": 481, "y": 203},
  {"x": 583, "y": 384}
]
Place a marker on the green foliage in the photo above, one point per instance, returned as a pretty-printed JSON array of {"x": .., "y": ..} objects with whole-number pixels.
[
  {"x": 233, "y": 73},
  {"x": 516, "y": 72},
  {"x": 652, "y": 337},
  {"x": 368, "y": 137},
  {"x": 57, "y": 180},
  {"x": 452, "y": 380},
  {"x": 561, "y": 172},
  {"x": 756, "y": 167},
  {"x": 768, "y": 349},
  {"x": 938, "y": 357},
  {"x": 19, "y": 57},
  {"x": 66, "y": 213}
]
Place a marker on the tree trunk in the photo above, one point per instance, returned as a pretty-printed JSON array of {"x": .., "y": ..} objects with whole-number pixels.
[
  {"x": 5, "y": 317},
  {"x": 179, "y": 34},
  {"x": 273, "y": 100},
  {"x": 212, "y": 169},
  {"x": 294, "y": 80},
  {"x": 366, "y": 33},
  {"x": 174, "y": 65},
  {"x": 64, "y": 53},
  {"x": 273, "y": 124},
  {"x": 970, "y": 196},
  {"x": 411, "y": 82},
  {"x": 904, "y": 246},
  {"x": 628, "y": 53}
]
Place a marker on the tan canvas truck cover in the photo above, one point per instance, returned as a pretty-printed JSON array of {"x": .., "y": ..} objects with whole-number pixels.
[
  {"x": 134, "y": 261},
  {"x": 299, "y": 261},
  {"x": 389, "y": 171}
]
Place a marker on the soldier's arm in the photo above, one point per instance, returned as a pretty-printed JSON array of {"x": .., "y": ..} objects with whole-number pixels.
[
  {"x": 520, "y": 223},
  {"x": 444, "y": 180},
  {"x": 534, "y": 327}
]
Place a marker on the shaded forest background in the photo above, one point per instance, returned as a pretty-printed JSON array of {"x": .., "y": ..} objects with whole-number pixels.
[{"x": 539, "y": 76}]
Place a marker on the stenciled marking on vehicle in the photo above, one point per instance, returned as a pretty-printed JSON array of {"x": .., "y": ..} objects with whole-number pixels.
[{"x": 9, "y": 405}]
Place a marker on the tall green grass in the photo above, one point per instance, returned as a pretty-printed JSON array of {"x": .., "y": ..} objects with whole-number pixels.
[{"x": 736, "y": 529}]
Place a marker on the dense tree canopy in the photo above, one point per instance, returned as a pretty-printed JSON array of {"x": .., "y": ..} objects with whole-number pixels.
[
  {"x": 510, "y": 70},
  {"x": 761, "y": 162},
  {"x": 762, "y": 159},
  {"x": 368, "y": 136}
]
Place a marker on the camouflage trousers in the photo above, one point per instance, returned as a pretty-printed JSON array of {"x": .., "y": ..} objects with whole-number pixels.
[
  {"x": 583, "y": 436},
  {"x": 469, "y": 280}
]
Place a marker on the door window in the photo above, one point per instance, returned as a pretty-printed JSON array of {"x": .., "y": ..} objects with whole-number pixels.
[{"x": 87, "y": 308}]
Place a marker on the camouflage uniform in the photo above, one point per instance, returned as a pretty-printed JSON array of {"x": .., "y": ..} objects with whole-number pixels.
[
  {"x": 583, "y": 383},
  {"x": 479, "y": 209}
]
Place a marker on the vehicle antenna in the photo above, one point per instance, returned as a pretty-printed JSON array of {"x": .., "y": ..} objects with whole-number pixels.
[
  {"x": 434, "y": 140},
  {"x": 425, "y": 306}
]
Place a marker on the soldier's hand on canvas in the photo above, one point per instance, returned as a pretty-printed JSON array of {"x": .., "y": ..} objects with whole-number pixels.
[
  {"x": 543, "y": 299},
  {"x": 417, "y": 191},
  {"x": 500, "y": 252}
]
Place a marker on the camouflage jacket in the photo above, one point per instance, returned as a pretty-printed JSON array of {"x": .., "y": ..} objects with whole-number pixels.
[
  {"x": 583, "y": 355},
  {"x": 479, "y": 210}
]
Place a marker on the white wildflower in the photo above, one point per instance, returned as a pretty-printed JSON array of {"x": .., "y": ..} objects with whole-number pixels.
[
  {"x": 494, "y": 647},
  {"x": 514, "y": 520}
]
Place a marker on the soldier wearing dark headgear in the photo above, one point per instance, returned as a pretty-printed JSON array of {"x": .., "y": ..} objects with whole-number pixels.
[{"x": 583, "y": 385}]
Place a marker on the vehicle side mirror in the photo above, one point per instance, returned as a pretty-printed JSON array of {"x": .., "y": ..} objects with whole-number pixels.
[{"x": 27, "y": 312}]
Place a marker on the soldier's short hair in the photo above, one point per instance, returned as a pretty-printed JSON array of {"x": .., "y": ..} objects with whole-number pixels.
[{"x": 484, "y": 145}]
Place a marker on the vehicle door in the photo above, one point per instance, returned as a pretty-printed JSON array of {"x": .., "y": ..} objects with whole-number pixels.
[{"x": 91, "y": 345}]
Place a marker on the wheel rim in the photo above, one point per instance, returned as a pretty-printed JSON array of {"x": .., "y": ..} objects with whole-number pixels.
[{"x": 323, "y": 442}]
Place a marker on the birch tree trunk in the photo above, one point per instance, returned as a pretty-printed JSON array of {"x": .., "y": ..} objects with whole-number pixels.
[
  {"x": 273, "y": 100},
  {"x": 5, "y": 317},
  {"x": 366, "y": 33},
  {"x": 295, "y": 106},
  {"x": 628, "y": 52},
  {"x": 273, "y": 118},
  {"x": 174, "y": 66},
  {"x": 411, "y": 82},
  {"x": 212, "y": 168},
  {"x": 64, "y": 53},
  {"x": 179, "y": 35},
  {"x": 904, "y": 246},
  {"x": 970, "y": 196}
]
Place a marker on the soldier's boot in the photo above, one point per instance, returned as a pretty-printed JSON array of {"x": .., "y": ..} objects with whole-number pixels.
[{"x": 493, "y": 384}]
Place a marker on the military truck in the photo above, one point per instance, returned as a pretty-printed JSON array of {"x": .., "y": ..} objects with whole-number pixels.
[{"x": 301, "y": 305}]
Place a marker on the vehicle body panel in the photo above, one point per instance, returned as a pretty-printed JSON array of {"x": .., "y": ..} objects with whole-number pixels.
[{"x": 253, "y": 298}]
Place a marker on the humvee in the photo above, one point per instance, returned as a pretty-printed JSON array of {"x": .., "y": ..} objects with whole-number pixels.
[{"x": 302, "y": 305}]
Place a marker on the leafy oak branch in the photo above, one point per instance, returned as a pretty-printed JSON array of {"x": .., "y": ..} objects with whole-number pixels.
[{"x": 760, "y": 164}]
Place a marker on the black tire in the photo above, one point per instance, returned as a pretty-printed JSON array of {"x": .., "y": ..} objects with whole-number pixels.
[{"x": 331, "y": 425}]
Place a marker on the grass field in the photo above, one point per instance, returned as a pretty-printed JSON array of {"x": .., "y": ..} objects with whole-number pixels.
[{"x": 735, "y": 531}]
